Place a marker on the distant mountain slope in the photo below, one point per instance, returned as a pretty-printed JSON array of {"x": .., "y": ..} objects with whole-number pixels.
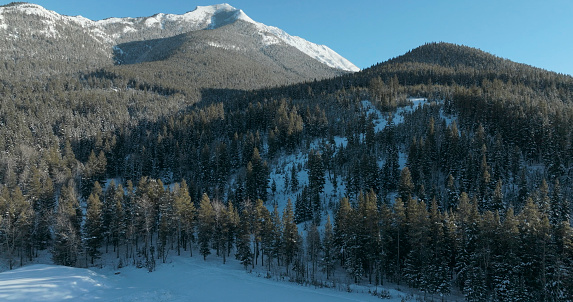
[
  {"x": 42, "y": 42},
  {"x": 447, "y": 63},
  {"x": 37, "y": 42},
  {"x": 212, "y": 17},
  {"x": 452, "y": 55},
  {"x": 234, "y": 52}
]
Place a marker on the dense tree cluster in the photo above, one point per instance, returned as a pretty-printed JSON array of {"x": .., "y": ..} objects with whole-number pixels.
[{"x": 469, "y": 192}]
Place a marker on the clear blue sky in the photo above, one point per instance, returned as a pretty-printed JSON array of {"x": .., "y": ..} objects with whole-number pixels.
[{"x": 538, "y": 33}]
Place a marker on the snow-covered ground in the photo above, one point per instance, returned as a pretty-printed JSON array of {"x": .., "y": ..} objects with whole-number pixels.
[
  {"x": 381, "y": 119},
  {"x": 182, "y": 279}
]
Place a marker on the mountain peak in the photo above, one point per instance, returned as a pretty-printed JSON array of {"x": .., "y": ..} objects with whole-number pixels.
[
  {"x": 114, "y": 31},
  {"x": 220, "y": 14},
  {"x": 28, "y": 9},
  {"x": 452, "y": 55}
]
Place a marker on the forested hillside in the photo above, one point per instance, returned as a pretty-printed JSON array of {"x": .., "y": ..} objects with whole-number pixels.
[{"x": 467, "y": 190}]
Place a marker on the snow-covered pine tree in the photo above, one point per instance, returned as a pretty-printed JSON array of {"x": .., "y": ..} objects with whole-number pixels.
[
  {"x": 93, "y": 226},
  {"x": 291, "y": 238},
  {"x": 328, "y": 260},
  {"x": 244, "y": 253},
  {"x": 205, "y": 225}
]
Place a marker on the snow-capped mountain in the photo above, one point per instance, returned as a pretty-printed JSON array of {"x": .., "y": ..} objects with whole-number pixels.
[{"x": 113, "y": 31}]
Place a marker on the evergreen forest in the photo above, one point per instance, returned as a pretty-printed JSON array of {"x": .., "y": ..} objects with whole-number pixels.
[{"x": 467, "y": 192}]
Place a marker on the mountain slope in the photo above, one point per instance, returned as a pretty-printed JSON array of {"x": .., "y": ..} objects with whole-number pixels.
[
  {"x": 477, "y": 143},
  {"x": 37, "y": 42},
  {"x": 212, "y": 17},
  {"x": 234, "y": 51},
  {"x": 42, "y": 42},
  {"x": 450, "y": 64}
]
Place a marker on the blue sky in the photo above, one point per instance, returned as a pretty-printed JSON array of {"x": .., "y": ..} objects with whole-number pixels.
[{"x": 538, "y": 33}]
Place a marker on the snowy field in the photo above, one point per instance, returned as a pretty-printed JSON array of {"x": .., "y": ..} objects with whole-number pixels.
[{"x": 182, "y": 279}]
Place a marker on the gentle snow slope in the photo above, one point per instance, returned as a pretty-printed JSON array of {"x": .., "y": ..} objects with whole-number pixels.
[{"x": 184, "y": 279}]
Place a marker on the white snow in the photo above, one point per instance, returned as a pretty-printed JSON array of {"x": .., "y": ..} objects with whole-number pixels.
[
  {"x": 381, "y": 120},
  {"x": 269, "y": 39},
  {"x": 32, "y": 9},
  {"x": 114, "y": 20},
  {"x": 154, "y": 21},
  {"x": 42, "y": 282},
  {"x": 341, "y": 141},
  {"x": 223, "y": 46},
  {"x": 321, "y": 53},
  {"x": 181, "y": 279},
  {"x": 2, "y": 24},
  {"x": 46, "y": 15}
]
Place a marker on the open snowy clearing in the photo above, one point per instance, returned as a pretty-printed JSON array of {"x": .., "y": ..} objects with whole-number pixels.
[{"x": 182, "y": 279}]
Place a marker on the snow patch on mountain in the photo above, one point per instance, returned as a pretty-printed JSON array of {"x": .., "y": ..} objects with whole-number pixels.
[
  {"x": 269, "y": 39},
  {"x": 322, "y": 53},
  {"x": 223, "y": 46},
  {"x": 2, "y": 24},
  {"x": 31, "y": 9},
  {"x": 48, "y": 17},
  {"x": 154, "y": 21}
]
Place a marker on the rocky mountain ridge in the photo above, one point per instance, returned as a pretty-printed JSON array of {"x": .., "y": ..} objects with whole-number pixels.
[{"x": 30, "y": 28}]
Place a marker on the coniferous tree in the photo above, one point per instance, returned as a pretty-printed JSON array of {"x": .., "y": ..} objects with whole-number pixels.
[
  {"x": 232, "y": 226},
  {"x": 277, "y": 242},
  {"x": 369, "y": 233},
  {"x": 220, "y": 229},
  {"x": 257, "y": 180},
  {"x": 303, "y": 205},
  {"x": 67, "y": 230},
  {"x": 342, "y": 226},
  {"x": 290, "y": 235},
  {"x": 399, "y": 248},
  {"x": 266, "y": 235},
  {"x": 244, "y": 253},
  {"x": 315, "y": 172},
  {"x": 561, "y": 285},
  {"x": 497, "y": 198},
  {"x": 108, "y": 212},
  {"x": 118, "y": 228},
  {"x": 205, "y": 225},
  {"x": 406, "y": 186},
  {"x": 329, "y": 251},
  {"x": 417, "y": 261},
  {"x": 466, "y": 235},
  {"x": 437, "y": 273},
  {"x": 41, "y": 193},
  {"x": 293, "y": 179},
  {"x": 505, "y": 263},
  {"x": 391, "y": 169},
  {"x": 17, "y": 226},
  {"x": 93, "y": 228},
  {"x": 166, "y": 224},
  {"x": 313, "y": 248},
  {"x": 145, "y": 215},
  {"x": 316, "y": 183},
  {"x": 534, "y": 233},
  {"x": 451, "y": 193},
  {"x": 559, "y": 206}
]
